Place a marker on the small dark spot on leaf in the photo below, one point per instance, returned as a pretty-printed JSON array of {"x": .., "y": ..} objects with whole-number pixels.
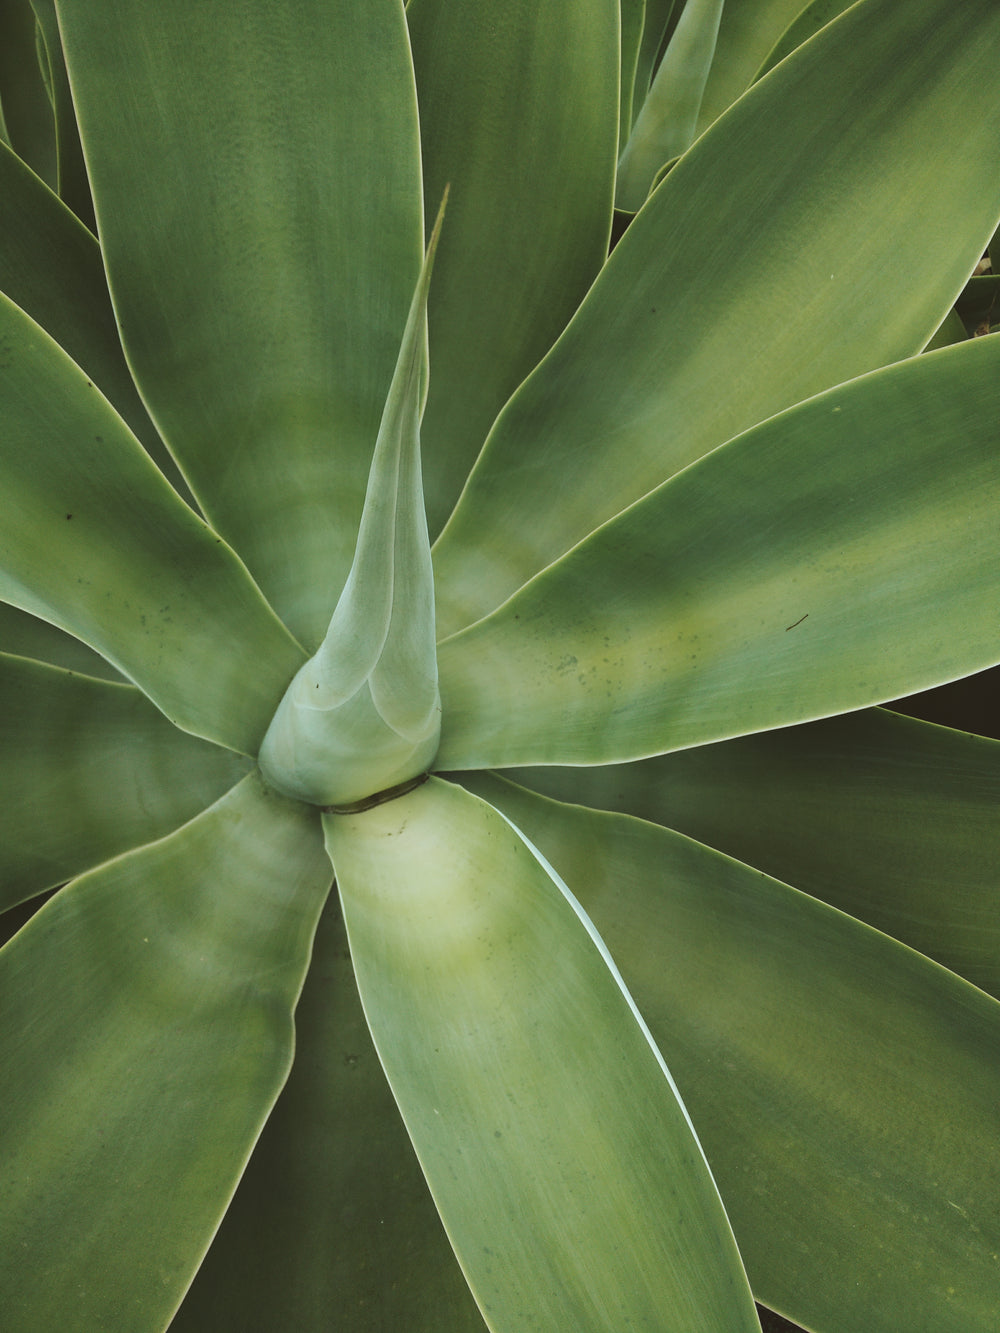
[{"x": 69, "y": 515}]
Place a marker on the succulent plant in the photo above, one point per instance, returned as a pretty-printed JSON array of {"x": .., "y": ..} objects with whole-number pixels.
[{"x": 543, "y": 594}]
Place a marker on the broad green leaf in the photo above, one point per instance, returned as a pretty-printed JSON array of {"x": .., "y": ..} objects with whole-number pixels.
[
  {"x": 889, "y": 819},
  {"x": 147, "y": 1031},
  {"x": 96, "y": 541},
  {"x": 27, "y": 110},
  {"x": 517, "y": 115},
  {"x": 665, "y": 125},
  {"x": 22, "y": 635},
  {"x": 256, "y": 177},
  {"x": 50, "y": 266},
  {"x": 808, "y": 22},
  {"x": 88, "y": 770},
  {"x": 867, "y": 155},
  {"x": 785, "y": 577},
  {"x": 364, "y": 713},
  {"x": 71, "y": 172},
  {"x": 846, "y": 1089},
  {"x": 527, "y": 1080},
  {"x": 332, "y": 1225}
]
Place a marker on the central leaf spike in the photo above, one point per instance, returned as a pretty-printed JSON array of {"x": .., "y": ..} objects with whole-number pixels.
[{"x": 364, "y": 714}]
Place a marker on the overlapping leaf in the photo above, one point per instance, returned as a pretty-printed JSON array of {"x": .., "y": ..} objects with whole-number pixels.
[
  {"x": 758, "y": 273},
  {"x": 846, "y": 1089},
  {"x": 267, "y": 160},
  {"x": 147, "y": 1031},
  {"x": 783, "y": 578},
  {"x": 89, "y": 770},
  {"x": 564, "y": 1168},
  {"x": 517, "y": 117},
  {"x": 889, "y": 819},
  {"x": 97, "y": 542}
]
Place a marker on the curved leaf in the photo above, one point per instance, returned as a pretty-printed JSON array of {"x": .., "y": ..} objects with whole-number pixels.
[
  {"x": 889, "y": 819},
  {"x": 845, "y": 1088},
  {"x": 50, "y": 266},
  {"x": 841, "y": 554},
  {"x": 96, "y": 541},
  {"x": 27, "y": 110},
  {"x": 89, "y": 770},
  {"x": 747, "y": 33},
  {"x": 804, "y": 25},
  {"x": 765, "y": 268},
  {"x": 74, "y": 188},
  {"x": 332, "y": 1225},
  {"x": 24, "y": 635},
  {"x": 665, "y": 125},
  {"x": 527, "y": 1080},
  {"x": 256, "y": 176},
  {"x": 135, "y": 1092},
  {"x": 517, "y": 116}
]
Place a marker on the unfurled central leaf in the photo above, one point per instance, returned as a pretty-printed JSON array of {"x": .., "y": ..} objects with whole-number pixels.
[{"x": 364, "y": 713}]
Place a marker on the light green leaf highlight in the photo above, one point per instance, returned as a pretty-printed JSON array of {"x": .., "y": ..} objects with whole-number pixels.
[
  {"x": 783, "y": 578},
  {"x": 97, "y": 542},
  {"x": 765, "y": 268},
  {"x": 256, "y": 178},
  {"x": 665, "y": 125},
  {"x": 527, "y": 1081},
  {"x": 89, "y": 770},
  {"x": 332, "y": 1225},
  {"x": 147, "y": 1031},
  {"x": 889, "y": 819},
  {"x": 846, "y": 1089},
  {"x": 364, "y": 714}
]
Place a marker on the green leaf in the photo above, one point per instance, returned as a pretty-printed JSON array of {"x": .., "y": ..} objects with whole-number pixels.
[
  {"x": 805, "y": 24},
  {"x": 51, "y": 266},
  {"x": 785, "y": 577},
  {"x": 764, "y": 269},
  {"x": 332, "y": 1224},
  {"x": 665, "y": 125},
  {"x": 633, "y": 19},
  {"x": 22, "y": 635},
  {"x": 71, "y": 171},
  {"x": 135, "y": 1092},
  {"x": 96, "y": 541},
  {"x": 658, "y": 14},
  {"x": 517, "y": 115},
  {"x": 89, "y": 770},
  {"x": 364, "y": 713},
  {"x": 262, "y": 304},
  {"x": 845, "y": 1088},
  {"x": 492, "y": 1003},
  {"x": 889, "y": 819},
  {"x": 27, "y": 110}
]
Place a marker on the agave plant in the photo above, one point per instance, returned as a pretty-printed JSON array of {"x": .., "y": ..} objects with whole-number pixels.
[{"x": 697, "y": 509}]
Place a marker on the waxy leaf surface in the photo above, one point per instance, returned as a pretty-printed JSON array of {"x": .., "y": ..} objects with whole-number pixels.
[
  {"x": 783, "y": 578},
  {"x": 846, "y": 1090},
  {"x": 535, "y": 1099},
  {"x": 764, "y": 269},
  {"x": 147, "y": 1031}
]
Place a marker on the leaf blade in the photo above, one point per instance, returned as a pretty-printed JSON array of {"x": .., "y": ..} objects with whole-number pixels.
[
  {"x": 262, "y": 305},
  {"x": 475, "y": 978},
  {"x": 170, "y": 975},
  {"x": 845, "y": 1087},
  {"x": 675, "y": 351},
  {"x": 783, "y": 578}
]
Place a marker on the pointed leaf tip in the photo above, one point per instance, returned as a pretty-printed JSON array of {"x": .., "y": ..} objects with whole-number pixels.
[{"x": 364, "y": 713}]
